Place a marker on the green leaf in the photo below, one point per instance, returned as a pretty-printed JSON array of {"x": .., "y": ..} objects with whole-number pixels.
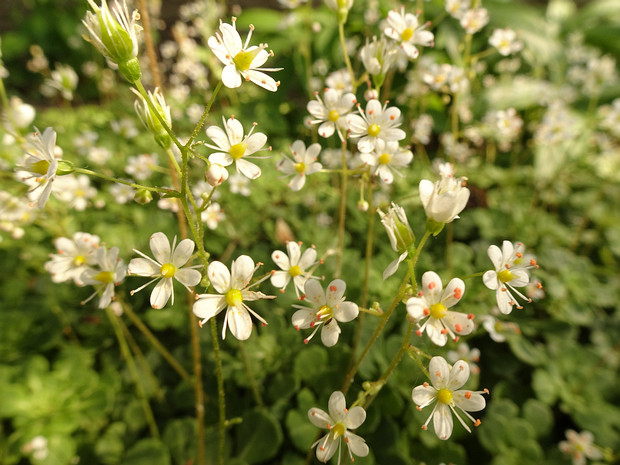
[
  {"x": 310, "y": 363},
  {"x": 260, "y": 436},
  {"x": 300, "y": 430},
  {"x": 147, "y": 452},
  {"x": 538, "y": 415},
  {"x": 545, "y": 386}
]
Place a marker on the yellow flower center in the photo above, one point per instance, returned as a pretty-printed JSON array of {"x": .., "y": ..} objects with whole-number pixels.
[
  {"x": 79, "y": 260},
  {"x": 238, "y": 150},
  {"x": 300, "y": 167},
  {"x": 333, "y": 116},
  {"x": 506, "y": 276},
  {"x": 40, "y": 167},
  {"x": 295, "y": 271},
  {"x": 445, "y": 396},
  {"x": 243, "y": 60},
  {"x": 168, "y": 270},
  {"x": 385, "y": 158},
  {"x": 406, "y": 34},
  {"x": 373, "y": 130},
  {"x": 106, "y": 277},
  {"x": 338, "y": 430},
  {"x": 234, "y": 297},
  {"x": 325, "y": 313},
  {"x": 438, "y": 311}
]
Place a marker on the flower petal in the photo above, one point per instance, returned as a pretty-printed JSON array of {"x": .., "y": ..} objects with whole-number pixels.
[
  {"x": 219, "y": 277},
  {"x": 208, "y": 305},
  {"x": 474, "y": 403},
  {"x": 346, "y": 311},
  {"x": 355, "y": 418},
  {"x": 143, "y": 267},
  {"x": 280, "y": 278},
  {"x": 439, "y": 371},
  {"x": 320, "y": 418},
  {"x": 356, "y": 444},
  {"x": 415, "y": 308},
  {"x": 160, "y": 246},
  {"x": 241, "y": 270},
  {"x": 231, "y": 77},
  {"x": 161, "y": 293},
  {"x": 423, "y": 395},
  {"x": 490, "y": 280},
  {"x": 458, "y": 375},
  {"x": 330, "y": 334},
  {"x": 294, "y": 252},
  {"x": 314, "y": 292},
  {"x": 239, "y": 322},
  {"x": 431, "y": 286},
  {"x": 303, "y": 318},
  {"x": 337, "y": 406},
  {"x": 219, "y": 136},
  {"x": 453, "y": 292},
  {"x": 188, "y": 276},
  {"x": 442, "y": 421},
  {"x": 248, "y": 169},
  {"x": 182, "y": 252},
  {"x": 459, "y": 323},
  {"x": 335, "y": 291}
]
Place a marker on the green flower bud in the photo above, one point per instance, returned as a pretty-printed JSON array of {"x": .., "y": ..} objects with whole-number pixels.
[
  {"x": 148, "y": 115},
  {"x": 143, "y": 196}
]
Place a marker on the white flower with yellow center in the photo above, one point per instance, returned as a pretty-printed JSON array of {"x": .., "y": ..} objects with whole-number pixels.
[
  {"x": 445, "y": 381},
  {"x": 241, "y": 61},
  {"x": 580, "y": 446},
  {"x": 235, "y": 147},
  {"x": 339, "y": 421},
  {"x": 301, "y": 165},
  {"x": 511, "y": 271},
  {"x": 331, "y": 111},
  {"x": 433, "y": 304},
  {"x": 168, "y": 264},
  {"x": 375, "y": 123},
  {"x": 73, "y": 257},
  {"x": 387, "y": 158},
  {"x": 111, "y": 271},
  {"x": 505, "y": 41},
  {"x": 293, "y": 265},
  {"x": 328, "y": 308},
  {"x": 233, "y": 289},
  {"x": 405, "y": 29}
]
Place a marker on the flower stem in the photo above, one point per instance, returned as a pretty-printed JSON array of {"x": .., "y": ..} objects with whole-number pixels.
[
  {"x": 205, "y": 113},
  {"x": 343, "y": 210},
  {"x": 347, "y": 61},
  {"x": 121, "y": 181},
  {"x": 220, "y": 393}
]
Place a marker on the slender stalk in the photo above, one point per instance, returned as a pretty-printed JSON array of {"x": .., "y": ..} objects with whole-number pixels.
[
  {"x": 126, "y": 353},
  {"x": 248, "y": 369},
  {"x": 343, "y": 210},
  {"x": 205, "y": 113},
  {"x": 347, "y": 61},
  {"x": 121, "y": 181},
  {"x": 220, "y": 394},
  {"x": 198, "y": 388}
]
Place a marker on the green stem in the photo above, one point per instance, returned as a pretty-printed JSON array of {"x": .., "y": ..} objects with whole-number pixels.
[
  {"x": 347, "y": 61},
  {"x": 161, "y": 190},
  {"x": 122, "y": 342},
  {"x": 205, "y": 113},
  {"x": 248, "y": 369},
  {"x": 343, "y": 210},
  {"x": 220, "y": 393},
  {"x": 173, "y": 161}
]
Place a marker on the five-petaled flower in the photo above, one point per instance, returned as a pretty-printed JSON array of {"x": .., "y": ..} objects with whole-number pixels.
[
  {"x": 233, "y": 289},
  {"x": 374, "y": 123},
  {"x": 327, "y": 309},
  {"x": 168, "y": 264},
  {"x": 446, "y": 381},
  {"x": 111, "y": 272},
  {"x": 303, "y": 164},
  {"x": 241, "y": 61},
  {"x": 405, "y": 29},
  {"x": 433, "y": 303},
  {"x": 511, "y": 270},
  {"x": 580, "y": 447},
  {"x": 331, "y": 111},
  {"x": 386, "y": 159},
  {"x": 339, "y": 421},
  {"x": 294, "y": 265},
  {"x": 73, "y": 258}
]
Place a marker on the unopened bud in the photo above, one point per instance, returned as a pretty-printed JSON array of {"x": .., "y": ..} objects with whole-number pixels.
[
  {"x": 371, "y": 94},
  {"x": 216, "y": 174},
  {"x": 362, "y": 205},
  {"x": 143, "y": 196}
]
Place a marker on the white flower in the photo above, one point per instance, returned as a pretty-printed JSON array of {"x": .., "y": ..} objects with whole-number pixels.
[
  {"x": 457, "y": 8},
  {"x": 331, "y": 111},
  {"x": 303, "y": 163},
  {"x": 387, "y": 157},
  {"x": 233, "y": 291},
  {"x": 111, "y": 271},
  {"x": 234, "y": 146},
  {"x": 580, "y": 447},
  {"x": 73, "y": 257},
  {"x": 375, "y": 123},
  {"x": 328, "y": 308},
  {"x": 400, "y": 234},
  {"x": 463, "y": 352},
  {"x": 511, "y": 270},
  {"x": 339, "y": 80},
  {"x": 39, "y": 167},
  {"x": 19, "y": 114},
  {"x": 241, "y": 61},
  {"x": 378, "y": 56},
  {"x": 445, "y": 381},
  {"x": 339, "y": 421},
  {"x": 444, "y": 199},
  {"x": 474, "y": 20},
  {"x": 122, "y": 193},
  {"x": 212, "y": 215},
  {"x": 239, "y": 184},
  {"x": 63, "y": 80},
  {"x": 405, "y": 29},
  {"x": 293, "y": 265},
  {"x": 505, "y": 41},
  {"x": 168, "y": 264},
  {"x": 74, "y": 190},
  {"x": 433, "y": 304},
  {"x": 498, "y": 329},
  {"x": 141, "y": 167}
]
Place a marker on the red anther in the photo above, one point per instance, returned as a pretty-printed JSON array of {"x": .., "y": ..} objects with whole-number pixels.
[
  {"x": 519, "y": 255},
  {"x": 272, "y": 272},
  {"x": 431, "y": 285},
  {"x": 427, "y": 312},
  {"x": 347, "y": 440},
  {"x": 456, "y": 339},
  {"x": 282, "y": 291},
  {"x": 370, "y": 112},
  {"x": 392, "y": 117},
  {"x": 470, "y": 316},
  {"x": 539, "y": 285},
  {"x": 438, "y": 374},
  {"x": 424, "y": 427},
  {"x": 263, "y": 324},
  {"x": 303, "y": 296},
  {"x": 467, "y": 395},
  {"x": 444, "y": 331},
  {"x": 299, "y": 242},
  {"x": 305, "y": 341},
  {"x": 458, "y": 328},
  {"x": 486, "y": 391},
  {"x": 333, "y": 288},
  {"x": 425, "y": 384},
  {"x": 458, "y": 293},
  {"x": 477, "y": 423},
  {"x": 312, "y": 412},
  {"x": 420, "y": 293},
  {"x": 418, "y": 408},
  {"x": 418, "y": 332},
  {"x": 312, "y": 323},
  {"x": 199, "y": 323},
  {"x": 321, "y": 261},
  {"x": 346, "y": 410},
  {"x": 297, "y": 328}
]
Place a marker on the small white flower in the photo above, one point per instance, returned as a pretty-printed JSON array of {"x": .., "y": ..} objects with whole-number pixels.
[
  {"x": 141, "y": 167},
  {"x": 19, "y": 114},
  {"x": 463, "y": 352},
  {"x": 400, "y": 234},
  {"x": 303, "y": 163},
  {"x": 405, "y": 29},
  {"x": 293, "y": 265},
  {"x": 331, "y": 111},
  {"x": 505, "y": 41},
  {"x": 239, "y": 184},
  {"x": 233, "y": 289},
  {"x": 212, "y": 215},
  {"x": 474, "y": 20},
  {"x": 580, "y": 446},
  {"x": 445, "y": 381},
  {"x": 76, "y": 191},
  {"x": 241, "y": 61},
  {"x": 457, "y": 8},
  {"x": 444, "y": 199},
  {"x": 73, "y": 257},
  {"x": 328, "y": 308},
  {"x": 433, "y": 304},
  {"x": 168, "y": 264},
  {"x": 339, "y": 80},
  {"x": 122, "y": 193},
  {"x": 339, "y": 421},
  {"x": 63, "y": 80},
  {"x": 111, "y": 271},
  {"x": 378, "y": 57},
  {"x": 376, "y": 122},
  {"x": 234, "y": 146},
  {"x": 125, "y": 127},
  {"x": 387, "y": 158}
]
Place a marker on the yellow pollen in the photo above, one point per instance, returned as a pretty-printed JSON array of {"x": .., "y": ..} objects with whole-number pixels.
[
  {"x": 338, "y": 430},
  {"x": 373, "y": 130},
  {"x": 244, "y": 59},
  {"x": 438, "y": 311},
  {"x": 333, "y": 116},
  {"x": 238, "y": 150},
  {"x": 325, "y": 313},
  {"x": 406, "y": 34},
  {"x": 300, "y": 167},
  {"x": 234, "y": 297},
  {"x": 168, "y": 270},
  {"x": 79, "y": 260},
  {"x": 385, "y": 158},
  {"x": 506, "y": 276},
  {"x": 104, "y": 277},
  {"x": 40, "y": 167},
  {"x": 295, "y": 271},
  {"x": 445, "y": 396}
]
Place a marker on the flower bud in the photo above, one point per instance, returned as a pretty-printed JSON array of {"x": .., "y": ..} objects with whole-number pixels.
[
  {"x": 371, "y": 94},
  {"x": 143, "y": 196},
  {"x": 216, "y": 174},
  {"x": 398, "y": 229},
  {"x": 362, "y": 206},
  {"x": 443, "y": 200},
  {"x": 149, "y": 118}
]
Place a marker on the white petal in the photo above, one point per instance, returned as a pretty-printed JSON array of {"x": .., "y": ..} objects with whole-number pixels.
[
  {"x": 231, "y": 77},
  {"x": 415, "y": 308},
  {"x": 335, "y": 291},
  {"x": 263, "y": 80},
  {"x": 459, "y": 323},
  {"x": 356, "y": 444},
  {"x": 434, "y": 330},
  {"x": 503, "y": 300},
  {"x": 221, "y": 158},
  {"x": 458, "y": 375},
  {"x": 182, "y": 252},
  {"x": 326, "y": 448},
  {"x": 255, "y": 142},
  {"x": 188, "y": 277},
  {"x": 423, "y": 395},
  {"x": 241, "y": 270},
  {"x": 346, "y": 311},
  {"x": 208, "y": 305},
  {"x": 393, "y": 266},
  {"x": 355, "y": 418},
  {"x": 239, "y": 322},
  {"x": 143, "y": 267},
  {"x": 453, "y": 292},
  {"x": 303, "y": 318},
  {"x": 280, "y": 278},
  {"x": 490, "y": 280},
  {"x": 475, "y": 403},
  {"x": 281, "y": 259},
  {"x": 248, "y": 169},
  {"x": 319, "y": 418},
  {"x": 297, "y": 182},
  {"x": 495, "y": 254},
  {"x": 431, "y": 286},
  {"x": 314, "y": 292},
  {"x": 442, "y": 421},
  {"x": 308, "y": 258},
  {"x": 160, "y": 246},
  {"x": 294, "y": 252},
  {"x": 439, "y": 371},
  {"x": 161, "y": 293},
  {"x": 426, "y": 189},
  {"x": 219, "y": 277},
  {"x": 337, "y": 405},
  {"x": 219, "y": 136},
  {"x": 330, "y": 333},
  {"x": 327, "y": 129}
]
